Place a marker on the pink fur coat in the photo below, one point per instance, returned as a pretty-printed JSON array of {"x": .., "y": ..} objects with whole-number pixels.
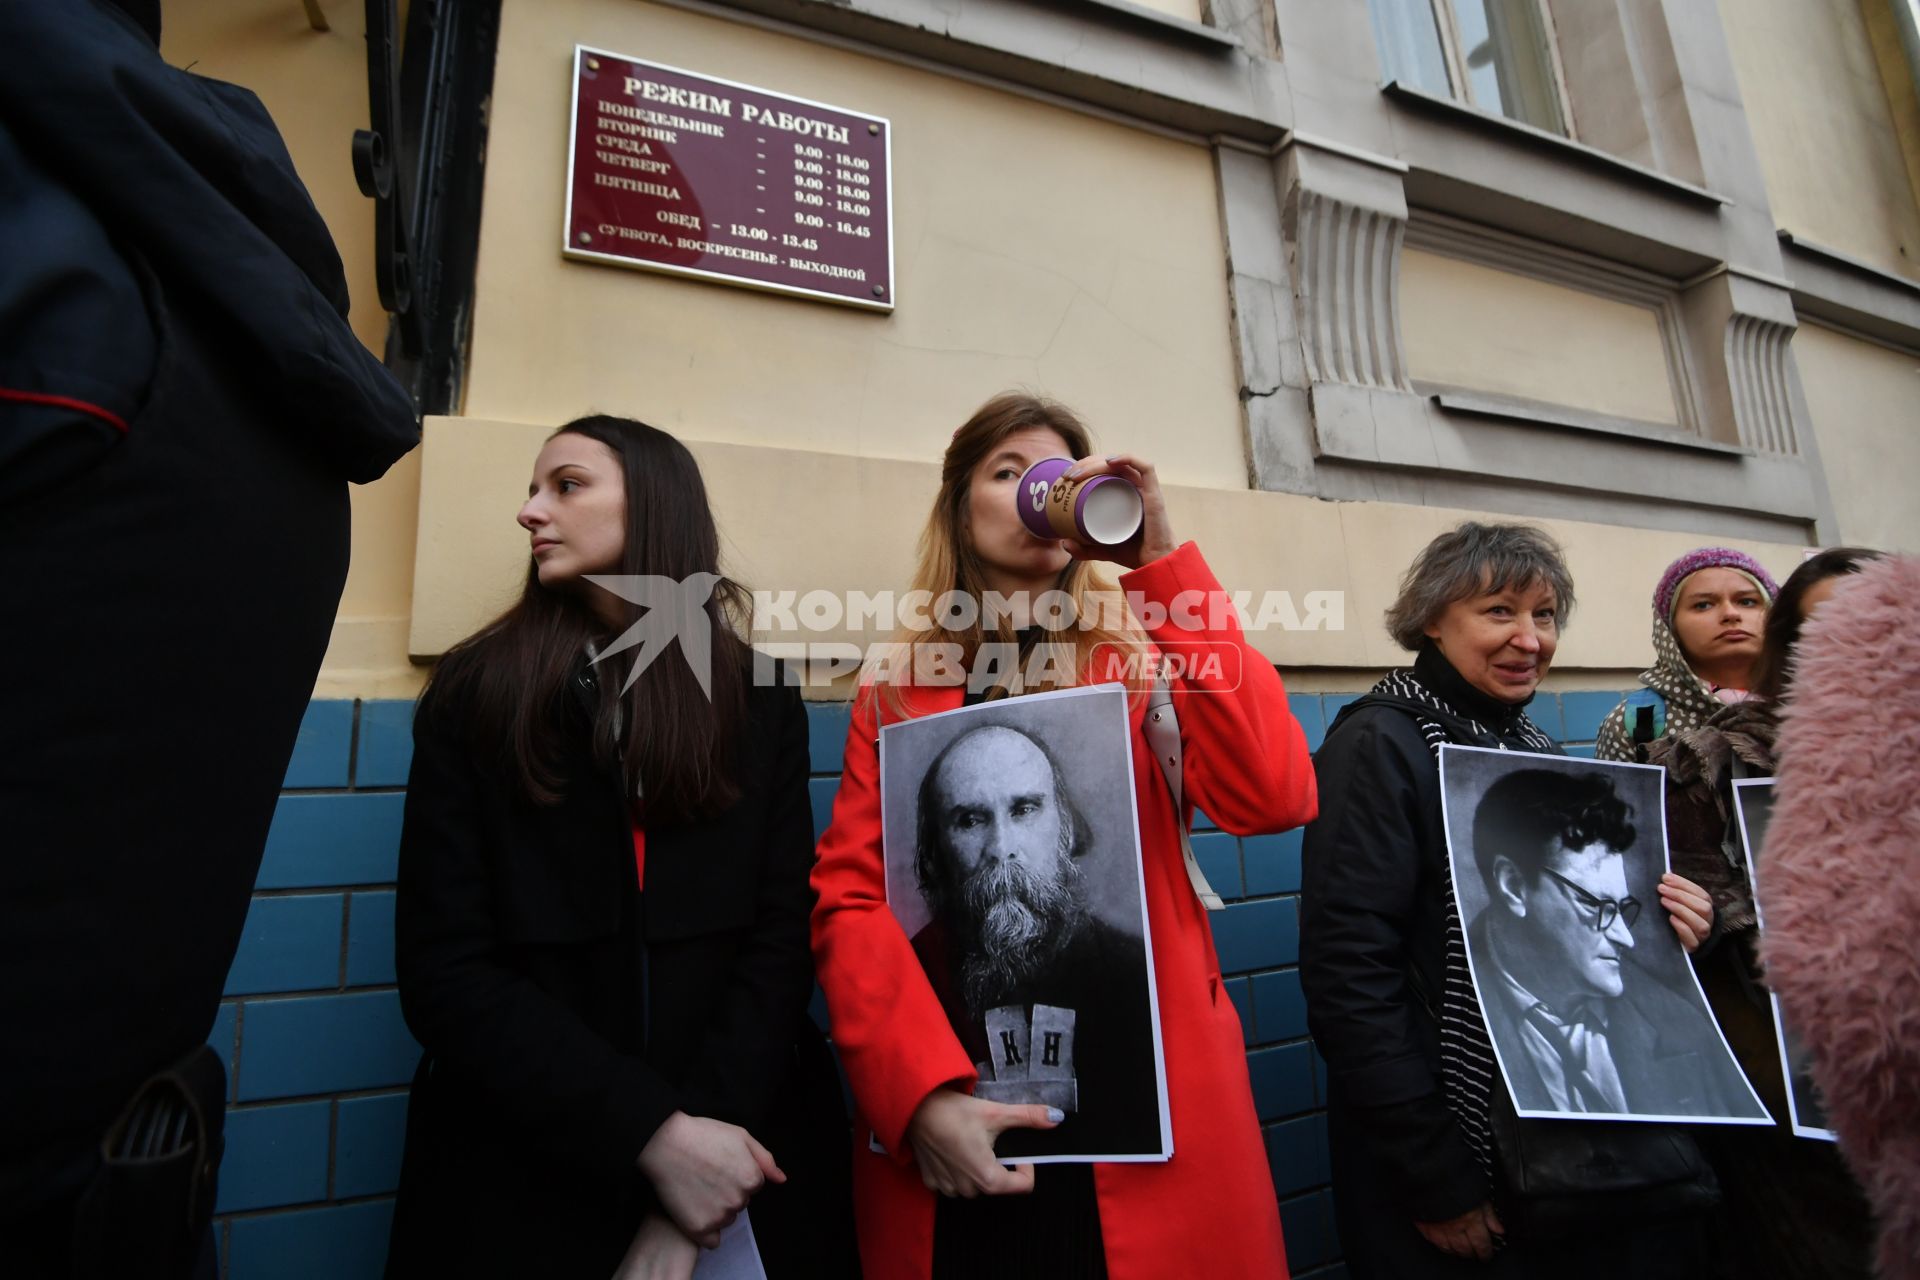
[{"x": 1840, "y": 885}]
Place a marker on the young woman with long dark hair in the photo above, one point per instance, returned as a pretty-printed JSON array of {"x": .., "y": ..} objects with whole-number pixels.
[
  {"x": 937, "y": 1201},
  {"x": 601, "y": 924}
]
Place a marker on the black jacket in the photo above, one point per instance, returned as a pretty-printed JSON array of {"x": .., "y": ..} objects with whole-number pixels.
[
  {"x": 566, "y": 1012},
  {"x": 1374, "y": 870},
  {"x": 182, "y": 404}
]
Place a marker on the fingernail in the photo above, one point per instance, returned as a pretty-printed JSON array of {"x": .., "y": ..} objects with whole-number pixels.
[
  {"x": 1056, "y": 1115},
  {"x": 1071, "y": 473}
]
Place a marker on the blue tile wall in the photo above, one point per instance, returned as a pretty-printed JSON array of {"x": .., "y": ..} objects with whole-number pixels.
[
  {"x": 318, "y": 1056},
  {"x": 290, "y": 943},
  {"x": 1219, "y": 857},
  {"x": 322, "y": 752},
  {"x": 371, "y": 1136},
  {"x": 302, "y": 1045},
  {"x": 385, "y": 751},
  {"x": 339, "y": 1242},
  {"x": 276, "y": 1155},
  {"x": 370, "y": 938},
  {"x": 1584, "y": 712},
  {"x": 1272, "y": 863},
  {"x": 348, "y": 837}
]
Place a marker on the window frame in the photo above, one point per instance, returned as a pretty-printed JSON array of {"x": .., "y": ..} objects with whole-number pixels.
[{"x": 1446, "y": 22}]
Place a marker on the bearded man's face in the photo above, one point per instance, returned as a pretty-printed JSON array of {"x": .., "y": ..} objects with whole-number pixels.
[{"x": 1010, "y": 877}]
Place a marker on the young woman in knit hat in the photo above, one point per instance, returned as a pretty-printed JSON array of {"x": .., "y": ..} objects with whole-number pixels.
[{"x": 1708, "y": 612}]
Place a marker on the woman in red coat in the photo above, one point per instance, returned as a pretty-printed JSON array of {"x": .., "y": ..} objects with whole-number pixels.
[{"x": 938, "y": 1202}]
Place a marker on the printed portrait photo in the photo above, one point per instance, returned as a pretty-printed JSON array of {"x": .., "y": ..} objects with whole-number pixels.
[
  {"x": 1013, "y": 864},
  {"x": 1753, "y": 804},
  {"x": 1590, "y": 1001}
]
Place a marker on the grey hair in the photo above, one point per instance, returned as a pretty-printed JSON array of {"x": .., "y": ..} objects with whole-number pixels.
[{"x": 1475, "y": 560}]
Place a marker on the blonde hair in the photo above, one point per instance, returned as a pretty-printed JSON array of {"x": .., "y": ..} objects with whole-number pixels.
[{"x": 948, "y": 563}]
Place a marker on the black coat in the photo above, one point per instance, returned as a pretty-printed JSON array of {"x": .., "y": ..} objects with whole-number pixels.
[
  {"x": 566, "y": 1013},
  {"x": 1373, "y": 922},
  {"x": 182, "y": 404}
]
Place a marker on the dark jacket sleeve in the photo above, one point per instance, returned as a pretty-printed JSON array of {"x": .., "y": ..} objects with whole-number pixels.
[
  {"x": 746, "y": 1054},
  {"x": 1360, "y": 901},
  {"x": 562, "y": 1086}
]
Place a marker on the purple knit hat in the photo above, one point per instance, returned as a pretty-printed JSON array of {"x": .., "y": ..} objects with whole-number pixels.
[{"x": 1709, "y": 558}]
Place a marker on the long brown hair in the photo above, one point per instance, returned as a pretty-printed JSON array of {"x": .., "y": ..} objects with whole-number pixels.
[
  {"x": 1773, "y": 669},
  {"x": 672, "y": 744},
  {"x": 948, "y": 561}
]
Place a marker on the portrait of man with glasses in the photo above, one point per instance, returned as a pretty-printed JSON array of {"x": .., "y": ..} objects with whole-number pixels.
[{"x": 1589, "y": 1000}]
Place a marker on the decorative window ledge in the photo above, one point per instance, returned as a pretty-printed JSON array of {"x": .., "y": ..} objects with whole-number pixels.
[
  {"x": 1564, "y": 417},
  {"x": 1546, "y": 141}
]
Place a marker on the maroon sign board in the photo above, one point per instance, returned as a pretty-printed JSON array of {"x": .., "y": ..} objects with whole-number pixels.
[{"x": 668, "y": 170}]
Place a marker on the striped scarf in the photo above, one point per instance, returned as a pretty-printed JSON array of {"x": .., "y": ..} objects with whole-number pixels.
[{"x": 1467, "y": 1066}]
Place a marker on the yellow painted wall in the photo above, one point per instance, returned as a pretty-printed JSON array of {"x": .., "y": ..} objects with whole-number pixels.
[
  {"x": 1820, "y": 117},
  {"x": 1033, "y": 247},
  {"x": 475, "y": 557},
  {"x": 1467, "y": 325},
  {"x": 314, "y": 83},
  {"x": 1865, "y": 402}
]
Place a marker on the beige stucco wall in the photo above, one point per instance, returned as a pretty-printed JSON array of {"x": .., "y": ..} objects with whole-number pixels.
[
  {"x": 1865, "y": 402},
  {"x": 1033, "y": 247},
  {"x": 314, "y": 83},
  {"x": 1819, "y": 114},
  {"x": 861, "y": 515},
  {"x": 1473, "y": 326}
]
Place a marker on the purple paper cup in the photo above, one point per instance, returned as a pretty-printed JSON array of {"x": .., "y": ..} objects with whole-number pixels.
[{"x": 1103, "y": 509}]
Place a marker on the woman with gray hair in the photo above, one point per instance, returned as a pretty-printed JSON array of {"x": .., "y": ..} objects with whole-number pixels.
[{"x": 1390, "y": 999}]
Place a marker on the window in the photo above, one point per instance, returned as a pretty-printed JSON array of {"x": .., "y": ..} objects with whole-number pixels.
[{"x": 1494, "y": 54}]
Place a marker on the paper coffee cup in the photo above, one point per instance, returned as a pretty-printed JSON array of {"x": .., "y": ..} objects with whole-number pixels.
[{"x": 1103, "y": 509}]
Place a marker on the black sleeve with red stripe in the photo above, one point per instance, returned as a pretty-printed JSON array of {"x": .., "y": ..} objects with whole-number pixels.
[{"x": 77, "y": 344}]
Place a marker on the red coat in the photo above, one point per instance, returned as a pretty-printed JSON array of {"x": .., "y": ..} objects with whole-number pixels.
[{"x": 1211, "y": 1209}]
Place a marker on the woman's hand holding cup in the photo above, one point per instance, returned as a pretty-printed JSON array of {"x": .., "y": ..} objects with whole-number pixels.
[{"x": 1155, "y": 538}]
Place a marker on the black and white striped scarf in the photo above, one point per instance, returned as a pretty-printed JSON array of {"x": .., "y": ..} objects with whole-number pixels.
[{"x": 1467, "y": 1066}]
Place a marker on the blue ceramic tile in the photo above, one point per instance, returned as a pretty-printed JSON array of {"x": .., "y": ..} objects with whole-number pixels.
[
  {"x": 1310, "y": 1238},
  {"x": 1584, "y": 711},
  {"x": 320, "y": 752},
  {"x": 224, "y": 1036},
  {"x": 1279, "y": 1006},
  {"x": 827, "y": 724},
  {"x": 290, "y": 943},
  {"x": 370, "y": 938},
  {"x": 329, "y": 840},
  {"x": 1273, "y": 863},
  {"x": 1219, "y": 858},
  {"x": 1282, "y": 1080},
  {"x": 1306, "y": 709},
  {"x": 1584, "y": 750},
  {"x": 324, "y": 1044},
  {"x": 1201, "y": 822},
  {"x": 1263, "y": 934},
  {"x": 820, "y": 792},
  {"x": 385, "y": 753},
  {"x": 1545, "y": 711},
  {"x": 1297, "y": 1154},
  {"x": 340, "y": 1242},
  {"x": 275, "y": 1156},
  {"x": 1242, "y": 997},
  {"x": 371, "y": 1135}
]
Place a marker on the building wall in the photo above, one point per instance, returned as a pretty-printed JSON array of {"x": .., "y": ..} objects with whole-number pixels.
[
  {"x": 1866, "y": 398},
  {"x": 1812, "y": 88}
]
